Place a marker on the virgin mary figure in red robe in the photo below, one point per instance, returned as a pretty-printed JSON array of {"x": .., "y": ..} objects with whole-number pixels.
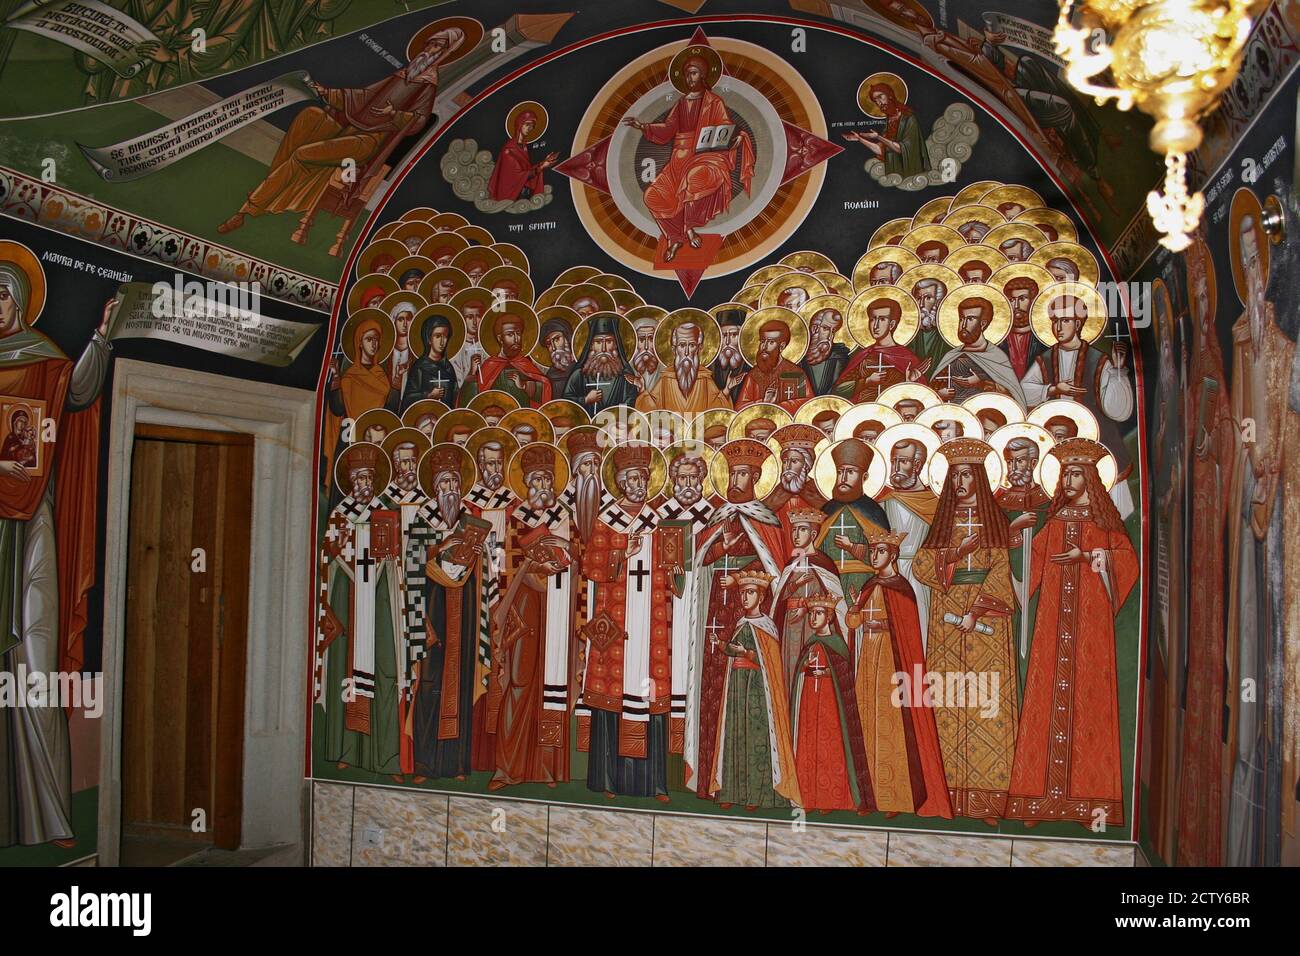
[{"x": 515, "y": 175}]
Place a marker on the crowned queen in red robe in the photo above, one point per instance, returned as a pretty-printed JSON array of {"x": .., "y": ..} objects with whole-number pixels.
[{"x": 1067, "y": 764}]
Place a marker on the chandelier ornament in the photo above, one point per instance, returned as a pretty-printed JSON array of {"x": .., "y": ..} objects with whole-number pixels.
[{"x": 1172, "y": 59}]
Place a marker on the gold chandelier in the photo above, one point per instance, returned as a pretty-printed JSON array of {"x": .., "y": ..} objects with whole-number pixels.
[{"x": 1173, "y": 58}]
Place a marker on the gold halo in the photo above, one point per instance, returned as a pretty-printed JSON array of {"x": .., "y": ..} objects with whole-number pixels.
[
  {"x": 1035, "y": 433},
  {"x": 677, "y": 66},
  {"x": 511, "y": 254},
  {"x": 987, "y": 216},
  {"x": 455, "y": 337},
  {"x": 557, "y": 407},
  {"x": 794, "y": 349},
  {"x": 658, "y": 471},
  {"x": 387, "y": 334},
  {"x": 1054, "y": 218},
  {"x": 1049, "y": 472},
  {"x": 418, "y": 212},
  {"x": 625, "y": 301},
  {"x": 905, "y": 431},
  {"x": 460, "y": 282},
  {"x": 930, "y": 270},
  {"x": 913, "y": 390},
  {"x": 471, "y": 28},
  {"x": 457, "y": 416},
  {"x": 947, "y": 411},
  {"x": 1005, "y": 404},
  {"x": 528, "y": 416},
  {"x": 369, "y": 419},
  {"x": 404, "y": 434},
  {"x": 1083, "y": 260},
  {"x": 587, "y": 290},
  {"x": 493, "y": 396},
  {"x": 859, "y": 321},
  {"x": 465, "y": 468},
  {"x": 994, "y": 468},
  {"x": 395, "y": 250},
  {"x": 808, "y": 261},
  {"x": 824, "y": 471},
  {"x": 473, "y": 294},
  {"x": 1022, "y": 270},
  {"x": 634, "y": 424},
  {"x": 562, "y": 313},
  {"x": 448, "y": 221},
  {"x": 838, "y": 303},
  {"x": 611, "y": 283},
  {"x": 412, "y": 227},
  {"x": 1085, "y": 422},
  {"x": 891, "y": 233},
  {"x": 386, "y": 230},
  {"x": 370, "y": 282},
  {"x": 644, "y": 311},
  {"x": 810, "y": 409},
  {"x": 477, "y": 236},
  {"x": 835, "y": 283},
  {"x": 690, "y": 446},
  {"x": 515, "y": 469},
  {"x": 575, "y": 275},
  {"x": 1246, "y": 203},
  {"x": 626, "y": 334},
  {"x": 810, "y": 284},
  {"x": 926, "y": 215},
  {"x": 480, "y": 437},
  {"x": 765, "y": 274},
  {"x": 425, "y": 406},
  {"x": 1031, "y": 235},
  {"x": 748, "y": 296},
  {"x": 538, "y": 110},
  {"x": 678, "y": 428},
  {"x": 412, "y": 300},
  {"x": 383, "y": 468},
  {"x": 451, "y": 242},
  {"x": 518, "y": 277},
  {"x": 710, "y": 335},
  {"x": 1022, "y": 195},
  {"x": 550, "y": 297},
  {"x": 706, "y": 419},
  {"x": 423, "y": 264},
  {"x": 487, "y": 330},
  {"x": 865, "y": 412},
  {"x": 891, "y": 80},
  {"x": 1093, "y": 326},
  {"x": 768, "y": 475},
  {"x": 998, "y": 326},
  {"x": 903, "y": 258},
  {"x": 489, "y": 258},
  {"x": 741, "y": 419},
  {"x": 972, "y": 252},
  {"x": 950, "y": 238},
  {"x": 973, "y": 192},
  {"x": 565, "y": 442}
]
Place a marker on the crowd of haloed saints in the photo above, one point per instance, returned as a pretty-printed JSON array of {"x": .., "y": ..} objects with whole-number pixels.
[{"x": 853, "y": 541}]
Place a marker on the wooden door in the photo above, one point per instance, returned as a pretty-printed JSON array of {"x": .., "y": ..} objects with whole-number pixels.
[{"x": 186, "y": 634}]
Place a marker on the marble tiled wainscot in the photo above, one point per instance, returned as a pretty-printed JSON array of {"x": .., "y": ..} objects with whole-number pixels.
[
  {"x": 331, "y": 824},
  {"x": 413, "y": 825},
  {"x": 581, "y": 837},
  {"x": 482, "y": 831}
]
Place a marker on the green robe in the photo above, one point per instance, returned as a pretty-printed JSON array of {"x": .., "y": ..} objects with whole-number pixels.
[
  {"x": 913, "y": 160},
  {"x": 747, "y": 764}
]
